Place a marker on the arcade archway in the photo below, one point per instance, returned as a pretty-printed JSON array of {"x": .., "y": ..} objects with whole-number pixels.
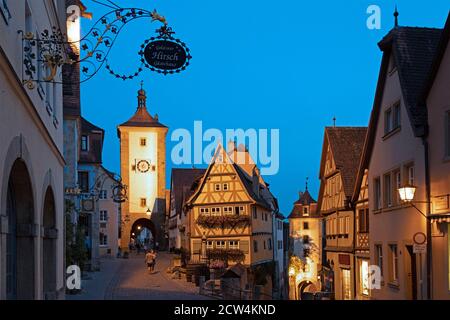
[
  {"x": 143, "y": 233},
  {"x": 20, "y": 268},
  {"x": 49, "y": 246}
]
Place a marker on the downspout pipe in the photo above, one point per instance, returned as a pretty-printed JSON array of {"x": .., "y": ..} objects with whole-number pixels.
[{"x": 428, "y": 212}]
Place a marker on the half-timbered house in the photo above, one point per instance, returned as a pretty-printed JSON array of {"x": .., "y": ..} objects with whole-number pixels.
[
  {"x": 230, "y": 219},
  {"x": 341, "y": 154}
]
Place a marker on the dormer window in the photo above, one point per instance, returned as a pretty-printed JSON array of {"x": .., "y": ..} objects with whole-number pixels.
[{"x": 84, "y": 143}]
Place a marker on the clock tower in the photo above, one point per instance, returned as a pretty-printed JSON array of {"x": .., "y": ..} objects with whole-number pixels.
[{"x": 143, "y": 171}]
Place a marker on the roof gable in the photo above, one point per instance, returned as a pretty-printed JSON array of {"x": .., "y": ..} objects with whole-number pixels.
[{"x": 413, "y": 50}]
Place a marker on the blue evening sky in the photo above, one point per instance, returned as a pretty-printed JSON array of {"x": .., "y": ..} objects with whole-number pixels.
[{"x": 288, "y": 64}]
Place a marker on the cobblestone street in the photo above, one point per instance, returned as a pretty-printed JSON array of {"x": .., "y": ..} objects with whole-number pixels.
[{"x": 128, "y": 279}]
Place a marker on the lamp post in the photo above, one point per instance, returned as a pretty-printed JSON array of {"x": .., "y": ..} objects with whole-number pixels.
[
  {"x": 149, "y": 213},
  {"x": 407, "y": 194}
]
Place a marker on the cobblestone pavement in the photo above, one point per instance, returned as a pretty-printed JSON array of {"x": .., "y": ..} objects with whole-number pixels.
[{"x": 128, "y": 279}]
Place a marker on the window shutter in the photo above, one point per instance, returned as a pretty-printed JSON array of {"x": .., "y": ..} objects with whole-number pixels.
[{"x": 244, "y": 246}]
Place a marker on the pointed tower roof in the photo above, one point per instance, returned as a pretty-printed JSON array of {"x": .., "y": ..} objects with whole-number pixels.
[
  {"x": 305, "y": 198},
  {"x": 142, "y": 117}
]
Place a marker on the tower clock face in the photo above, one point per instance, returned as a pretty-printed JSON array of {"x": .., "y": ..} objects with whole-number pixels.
[{"x": 143, "y": 166}]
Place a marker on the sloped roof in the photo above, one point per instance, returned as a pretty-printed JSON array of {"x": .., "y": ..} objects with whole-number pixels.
[
  {"x": 142, "y": 118},
  {"x": 96, "y": 138},
  {"x": 247, "y": 181},
  {"x": 347, "y": 145},
  {"x": 440, "y": 51},
  {"x": 182, "y": 183},
  {"x": 305, "y": 198},
  {"x": 413, "y": 49}
]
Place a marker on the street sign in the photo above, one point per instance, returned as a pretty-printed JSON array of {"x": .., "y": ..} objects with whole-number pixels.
[
  {"x": 419, "y": 248},
  {"x": 165, "y": 55},
  {"x": 420, "y": 238}
]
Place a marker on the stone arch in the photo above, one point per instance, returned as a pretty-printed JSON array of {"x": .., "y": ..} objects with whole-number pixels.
[
  {"x": 20, "y": 244},
  {"x": 17, "y": 176},
  {"x": 306, "y": 289},
  {"x": 49, "y": 236},
  {"x": 143, "y": 223}
]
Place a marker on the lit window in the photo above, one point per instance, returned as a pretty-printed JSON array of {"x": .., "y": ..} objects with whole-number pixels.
[
  {"x": 143, "y": 202},
  {"x": 341, "y": 225},
  {"x": 143, "y": 142},
  {"x": 346, "y": 284},
  {"x": 209, "y": 244},
  {"x": 364, "y": 277}
]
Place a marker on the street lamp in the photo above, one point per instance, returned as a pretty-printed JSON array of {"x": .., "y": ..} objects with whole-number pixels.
[
  {"x": 139, "y": 227},
  {"x": 407, "y": 193},
  {"x": 149, "y": 213}
]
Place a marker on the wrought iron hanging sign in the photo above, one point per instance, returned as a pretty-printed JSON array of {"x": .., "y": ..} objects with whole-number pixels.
[{"x": 44, "y": 55}]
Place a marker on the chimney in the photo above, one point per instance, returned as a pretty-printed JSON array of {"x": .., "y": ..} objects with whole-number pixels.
[{"x": 255, "y": 181}]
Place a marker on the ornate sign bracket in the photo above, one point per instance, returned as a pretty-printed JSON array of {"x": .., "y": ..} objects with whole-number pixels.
[{"x": 46, "y": 53}]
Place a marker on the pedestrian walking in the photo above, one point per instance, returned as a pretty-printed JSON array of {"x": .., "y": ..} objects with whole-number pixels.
[{"x": 150, "y": 261}]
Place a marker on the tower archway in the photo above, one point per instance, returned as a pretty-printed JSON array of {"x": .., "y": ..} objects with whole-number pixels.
[
  {"x": 143, "y": 231},
  {"x": 20, "y": 257}
]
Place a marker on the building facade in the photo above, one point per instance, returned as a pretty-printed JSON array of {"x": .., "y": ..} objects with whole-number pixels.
[
  {"x": 396, "y": 155},
  {"x": 305, "y": 238},
  {"x": 109, "y": 220},
  {"x": 183, "y": 184},
  {"x": 231, "y": 223},
  {"x": 436, "y": 97},
  {"x": 341, "y": 153},
  {"x": 143, "y": 171},
  {"x": 31, "y": 161}
]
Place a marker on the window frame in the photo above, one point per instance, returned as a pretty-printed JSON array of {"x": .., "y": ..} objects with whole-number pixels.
[
  {"x": 387, "y": 190},
  {"x": 143, "y": 202},
  {"x": 377, "y": 193},
  {"x": 103, "y": 215},
  {"x": 393, "y": 263},
  {"x": 379, "y": 258},
  {"x": 84, "y": 143},
  {"x": 143, "y": 142}
]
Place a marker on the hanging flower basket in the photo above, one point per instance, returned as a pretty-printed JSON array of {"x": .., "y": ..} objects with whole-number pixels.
[
  {"x": 208, "y": 221},
  {"x": 234, "y": 255}
]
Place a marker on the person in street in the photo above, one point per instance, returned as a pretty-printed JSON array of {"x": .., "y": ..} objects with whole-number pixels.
[{"x": 150, "y": 261}]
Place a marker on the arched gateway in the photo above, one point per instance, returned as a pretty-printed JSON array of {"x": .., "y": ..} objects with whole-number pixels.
[{"x": 143, "y": 171}]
